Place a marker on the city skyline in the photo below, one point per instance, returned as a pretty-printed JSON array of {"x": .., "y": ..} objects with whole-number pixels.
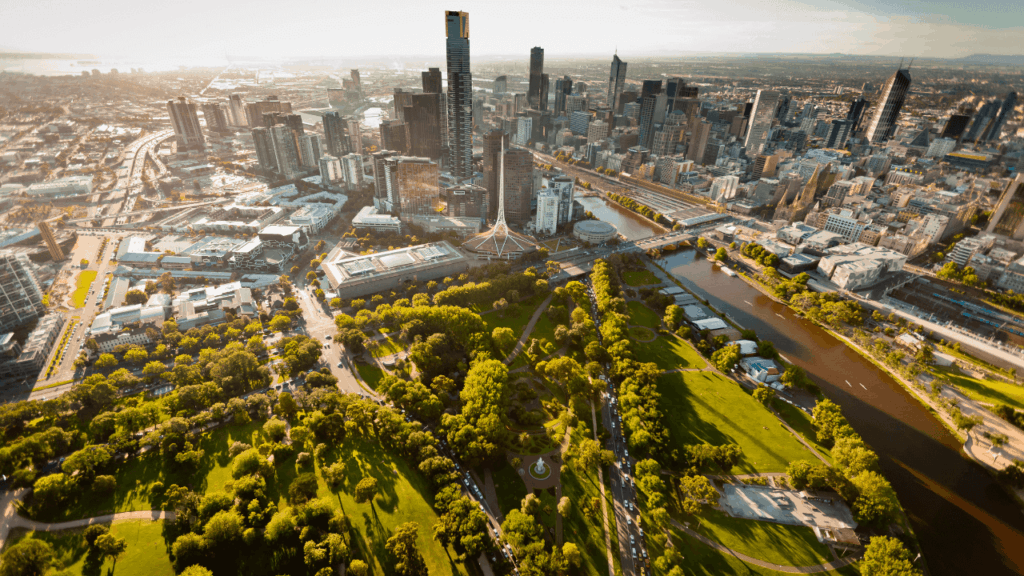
[{"x": 928, "y": 29}]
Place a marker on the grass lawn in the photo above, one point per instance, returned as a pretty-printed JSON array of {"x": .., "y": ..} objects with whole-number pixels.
[
  {"x": 85, "y": 278},
  {"x": 544, "y": 329},
  {"x": 517, "y": 321},
  {"x": 386, "y": 347},
  {"x": 404, "y": 496},
  {"x": 640, "y": 278},
  {"x": 972, "y": 359},
  {"x": 640, "y": 334},
  {"x": 801, "y": 422},
  {"x": 370, "y": 373},
  {"x": 669, "y": 352},
  {"x": 640, "y": 314},
  {"x": 699, "y": 559},
  {"x": 584, "y": 525},
  {"x": 136, "y": 475},
  {"x": 707, "y": 407},
  {"x": 147, "y": 553},
  {"x": 510, "y": 488},
  {"x": 775, "y": 543},
  {"x": 987, "y": 390}
]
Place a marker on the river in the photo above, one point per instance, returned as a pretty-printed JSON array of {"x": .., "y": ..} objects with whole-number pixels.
[
  {"x": 965, "y": 522},
  {"x": 632, "y": 226}
]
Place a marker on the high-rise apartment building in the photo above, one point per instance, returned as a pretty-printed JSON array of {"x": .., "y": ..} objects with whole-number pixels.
[
  {"x": 216, "y": 117},
  {"x": 236, "y": 110},
  {"x": 616, "y": 81},
  {"x": 1004, "y": 115},
  {"x": 597, "y": 131},
  {"x": 431, "y": 81},
  {"x": 524, "y": 131},
  {"x": 536, "y": 73},
  {"x": 579, "y": 123},
  {"x": 494, "y": 142},
  {"x": 265, "y": 153},
  {"x": 698, "y": 143},
  {"x": 355, "y": 136},
  {"x": 955, "y": 126},
  {"x": 575, "y": 103},
  {"x": 286, "y": 147},
  {"x": 665, "y": 140},
  {"x": 675, "y": 90},
  {"x": 764, "y": 166},
  {"x": 394, "y": 135},
  {"x": 563, "y": 88},
  {"x": 839, "y": 133},
  {"x": 983, "y": 121},
  {"x": 352, "y": 164},
  {"x": 254, "y": 111},
  {"x": 185, "y": 121},
  {"x": 1008, "y": 217},
  {"x": 425, "y": 125},
  {"x": 518, "y": 186},
  {"x": 648, "y": 102},
  {"x": 564, "y": 187},
  {"x": 460, "y": 95},
  {"x": 336, "y": 139},
  {"x": 466, "y": 201},
  {"x": 331, "y": 171},
  {"x": 761, "y": 116},
  {"x": 310, "y": 150},
  {"x": 402, "y": 98},
  {"x": 885, "y": 115},
  {"x": 546, "y": 222},
  {"x": 500, "y": 85},
  {"x": 856, "y": 112},
  {"x": 21, "y": 299},
  {"x": 411, "y": 186}
]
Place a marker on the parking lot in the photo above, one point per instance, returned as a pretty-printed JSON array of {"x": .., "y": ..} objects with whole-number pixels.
[{"x": 785, "y": 506}]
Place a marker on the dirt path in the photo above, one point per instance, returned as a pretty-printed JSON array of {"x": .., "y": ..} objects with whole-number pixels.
[{"x": 529, "y": 329}]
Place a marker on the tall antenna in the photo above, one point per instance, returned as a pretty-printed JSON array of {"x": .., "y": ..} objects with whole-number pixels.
[
  {"x": 901, "y": 64},
  {"x": 911, "y": 64}
]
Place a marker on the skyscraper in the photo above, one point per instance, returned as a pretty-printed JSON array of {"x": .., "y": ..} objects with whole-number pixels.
[
  {"x": 425, "y": 126},
  {"x": 411, "y": 186},
  {"x": 460, "y": 95},
  {"x": 264, "y": 144},
  {"x": 838, "y": 133},
  {"x": 185, "y": 120},
  {"x": 563, "y": 88},
  {"x": 500, "y": 85},
  {"x": 536, "y": 70},
  {"x": 761, "y": 116},
  {"x": 955, "y": 126},
  {"x": 1004, "y": 114},
  {"x": 394, "y": 135},
  {"x": 402, "y": 99},
  {"x": 336, "y": 133},
  {"x": 518, "y": 185},
  {"x": 648, "y": 99},
  {"x": 216, "y": 117},
  {"x": 883, "y": 120},
  {"x": 544, "y": 91},
  {"x": 616, "y": 80},
  {"x": 286, "y": 147},
  {"x": 21, "y": 299},
  {"x": 432, "y": 81},
  {"x": 355, "y": 136},
  {"x": 676, "y": 89},
  {"x": 236, "y": 110},
  {"x": 494, "y": 142},
  {"x": 310, "y": 150},
  {"x": 856, "y": 112}
]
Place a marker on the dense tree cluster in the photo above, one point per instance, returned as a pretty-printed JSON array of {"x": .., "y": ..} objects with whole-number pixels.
[
  {"x": 639, "y": 208},
  {"x": 756, "y": 252}
]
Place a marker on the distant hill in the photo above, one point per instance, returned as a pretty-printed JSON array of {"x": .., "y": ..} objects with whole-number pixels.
[{"x": 1009, "y": 59}]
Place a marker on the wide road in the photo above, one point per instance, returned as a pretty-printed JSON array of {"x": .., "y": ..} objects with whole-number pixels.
[
  {"x": 319, "y": 324},
  {"x": 964, "y": 520}
]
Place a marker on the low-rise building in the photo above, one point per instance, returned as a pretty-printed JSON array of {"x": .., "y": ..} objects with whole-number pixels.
[
  {"x": 31, "y": 358},
  {"x": 369, "y": 218},
  {"x": 856, "y": 266},
  {"x": 313, "y": 218},
  {"x": 70, "y": 186},
  {"x": 352, "y": 276},
  {"x": 210, "y": 305}
]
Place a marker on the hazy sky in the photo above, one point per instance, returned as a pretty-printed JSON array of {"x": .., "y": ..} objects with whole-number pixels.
[{"x": 197, "y": 30}]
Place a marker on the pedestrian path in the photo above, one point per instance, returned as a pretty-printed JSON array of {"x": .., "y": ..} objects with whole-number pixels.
[
  {"x": 528, "y": 330},
  {"x": 817, "y": 568}
]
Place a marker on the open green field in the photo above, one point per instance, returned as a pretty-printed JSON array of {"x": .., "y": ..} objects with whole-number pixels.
[
  {"x": 640, "y": 334},
  {"x": 510, "y": 488},
  {"x": 641, "y": 315},
  {"x": 699, "y": 559},
  {"x": 775, "y": 543},
  {"x": 385, "y": 347},
  {"x": 669, "y": 352},
  {"x": 987, "y": 390},
  {"x": 544, "y": 329},
  {"x": 640, "y": 278},
  {"x": 136, "y": 476},
  {"x": 370, "y": 373},
  {"x": 85, "y": 279},
  {"x": 707, "y": 407},
  {"x": 801, "y": 422},
  {"x": 517, "y": 321},
  {"x": 147, "y": 553},
  {"x": 404, "y": 496}
]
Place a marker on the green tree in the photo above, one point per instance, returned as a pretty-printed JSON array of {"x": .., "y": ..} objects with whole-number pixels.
[
  {"x": 224, "y": 529},
  {"x": 358, "y": 568},
  {"x": 280, "y": 323},
  {"x": 135, "y": 297},
  {"x": 886, "y": 556},
  {"x": 876, "y": 503},
  {"x": 196, "y": 570},
  {"x": 106, "y": 361},
  {"x": 764, "y": 395},
  {"x": 504, "y": 338},
  {"x": 721, "y": 255},
  {"x": 111, "y": 546},
  {"x": 402, "y": 547},
  {"x": 30, "y": 557},
  {"x": 366, "y": 490}
]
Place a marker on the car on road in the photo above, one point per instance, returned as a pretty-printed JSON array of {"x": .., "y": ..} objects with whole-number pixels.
[{"x": 341, "y": 364}]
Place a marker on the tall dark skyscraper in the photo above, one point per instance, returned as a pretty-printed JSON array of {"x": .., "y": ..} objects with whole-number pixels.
[
  {"x": 983, "y": 120},
  {"x": 648, "y": 100},
  {"x": 616, "y": 80},
  {"x": 885, "y": 115},
  {"x": 185, "y": 119},
  {"x": 955, "y": 126},
  {"x": 501, "y": 85},
  {"x": 675, "y": 90},
  {"x": 425, "y": 121},
  {"x": 536, "y": 71},
  {"x": 563, "y": 88},
  {"x": 336, "y": 135},
  {"x": 432, "y": 81},
  {"x": 544, "y": 91},
  {"x": 494, "y": 142},
  {"x": 856, "y": 112},
  {"x": 460, "y": 95},
  {"x": 1004, "y": 114}
]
